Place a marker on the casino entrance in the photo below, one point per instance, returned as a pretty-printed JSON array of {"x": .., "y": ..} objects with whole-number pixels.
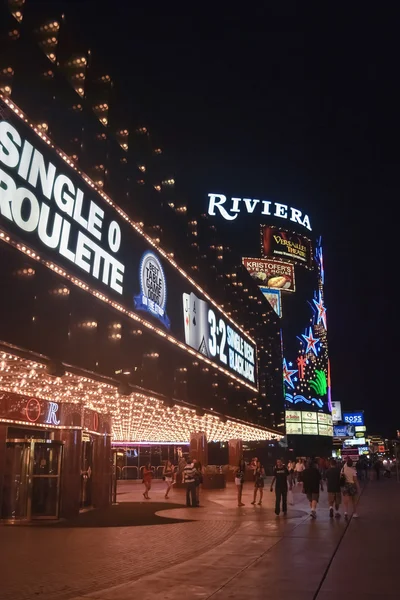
[{"x": 32, "y": 478}]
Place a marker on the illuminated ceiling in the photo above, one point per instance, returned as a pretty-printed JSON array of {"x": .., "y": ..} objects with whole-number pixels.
[{"x": 137, "y": 417}]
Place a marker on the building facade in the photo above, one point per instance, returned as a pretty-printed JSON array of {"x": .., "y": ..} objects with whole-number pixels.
[{"x": 125, "y": 322}]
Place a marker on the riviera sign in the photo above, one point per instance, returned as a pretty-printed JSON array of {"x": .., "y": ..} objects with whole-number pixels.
[{"x": 219, "y": 201}]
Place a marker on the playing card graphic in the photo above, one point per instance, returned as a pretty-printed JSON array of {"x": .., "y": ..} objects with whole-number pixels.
[
  {"x": 196, "y": 326},
  {"x": 186, "y": 317}
]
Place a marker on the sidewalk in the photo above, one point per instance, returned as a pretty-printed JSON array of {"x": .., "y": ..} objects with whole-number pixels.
[{"x": 218, "y": 551}]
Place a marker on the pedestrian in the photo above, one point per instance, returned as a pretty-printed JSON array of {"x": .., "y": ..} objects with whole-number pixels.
[
  {"x": 147, "y": 477},
  {"x": 291, "y": 467},
  {"x": 189, "y": 481},
  {"x": 239, "y": 480},
  {"x": 312, "y": 483},
  {"x": 198, "y": 479},
  {"x": 333, "y": 484},
  {"x": 168, "y": 477},
  {"x": 259, "y": 474},
  {"x": 299, "y": 468},
  {"x": 280, "y": 475},
  {"x": 377, "y": 467},
  {"x": 351, "y": 487}
]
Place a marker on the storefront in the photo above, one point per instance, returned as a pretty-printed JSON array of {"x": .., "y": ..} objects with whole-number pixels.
[{"x": 55, "y": 456}]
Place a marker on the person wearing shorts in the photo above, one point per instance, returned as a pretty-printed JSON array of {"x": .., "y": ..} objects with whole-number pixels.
[
  {"x": 312, "y": 483},
  {"x": 168, "y": 477},
  {"x": 351, "y": 488},
  {"x": 333, "y": 484},
  {"x": 258, "y": 482}
]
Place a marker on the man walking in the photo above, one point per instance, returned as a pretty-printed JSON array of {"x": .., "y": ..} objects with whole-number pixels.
[
  {"x": 189, "y": 473},
  {"x": 333, "y": 483},
  {"x": 280, "y": 475},
  {"x": 312, "y": 483}
]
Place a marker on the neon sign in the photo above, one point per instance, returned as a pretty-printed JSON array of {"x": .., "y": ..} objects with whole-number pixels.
[
  {"x": 268, "y": 208},
  {"x": 51, "y": 417}
]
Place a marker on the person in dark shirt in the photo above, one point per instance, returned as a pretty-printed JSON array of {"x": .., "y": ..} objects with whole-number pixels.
[
  {"x": 280, "y": 475},
  {"x": 312, "y": 483},
  {"x": 333, "y": 483}
]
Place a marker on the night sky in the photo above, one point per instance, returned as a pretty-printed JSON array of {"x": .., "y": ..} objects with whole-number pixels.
[{"x": 298, "y": 105}]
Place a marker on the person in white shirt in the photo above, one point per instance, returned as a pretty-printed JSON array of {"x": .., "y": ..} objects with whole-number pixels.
[
  {"x": 299, "y": 468},
  {"x": 351, "y": 487}
]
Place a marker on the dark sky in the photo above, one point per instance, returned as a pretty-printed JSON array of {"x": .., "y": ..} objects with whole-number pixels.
[{"x": 298, "y": 104}]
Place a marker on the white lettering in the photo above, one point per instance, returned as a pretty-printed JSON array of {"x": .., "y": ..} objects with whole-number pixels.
[
  {"x": 306, "y": 222},
  {"x": 25, "y": 160},
  {"x": 25, "y": 202},
  {"x": 114, "y": 236},
  {"x": 38, "y": 170},
  {"x": 51, "y": 418},
  {"x": 9, "y": 140},
  {"x": 78, "y": 209},
  {"x": 250, "y": 204},
  {"x": 95, "y": 220},
  {"x": 235, "y": 205},
  {"x": 281, "y": 210},
  {"x": 51, "y": 241},
  {"x": 216, "y": 201},
  {"x": 266, "y": 206},
  {"x": 296, "y": 216},
  {"x": 82, "y": 253},
  {"x": 63, "y": 249},
  {"x": 7, "y": 194},
  {"x": 64, "y": 201}
]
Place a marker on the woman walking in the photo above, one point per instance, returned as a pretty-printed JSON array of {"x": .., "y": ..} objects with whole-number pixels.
[
  {"x": 147, "y": 477},
  {"x": 351, "y": 488},
  {"x": 258, "y": 482},
  {"x": 198, "y": 478},
  {"x": 168, "y": 477},
  {"x": 239, "y": 481}
]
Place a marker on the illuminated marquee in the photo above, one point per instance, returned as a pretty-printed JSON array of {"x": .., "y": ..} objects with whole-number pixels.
[
  {"x": 53, "y": 213},
  {"x": 230, "y": 210}
]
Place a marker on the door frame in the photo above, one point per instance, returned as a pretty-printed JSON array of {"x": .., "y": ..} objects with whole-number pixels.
[{"x": 30, "y": 476}]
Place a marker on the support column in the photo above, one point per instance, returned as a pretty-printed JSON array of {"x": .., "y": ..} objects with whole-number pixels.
[
  {"x": 199, "y": 448},
  {"x": 3, "y": 437},
  {"x": 71, "y": 471},
  {"x": 235, "y": 452}
]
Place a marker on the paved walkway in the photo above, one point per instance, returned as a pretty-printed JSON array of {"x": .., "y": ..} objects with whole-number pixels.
[{"x": 222, "y": 553}]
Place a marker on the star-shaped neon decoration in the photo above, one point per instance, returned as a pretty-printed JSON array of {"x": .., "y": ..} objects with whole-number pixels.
[
  {"x": 287, "y": 374},
  {"x": 311, "y": 342},
  {"x": 321, "y": 311}
]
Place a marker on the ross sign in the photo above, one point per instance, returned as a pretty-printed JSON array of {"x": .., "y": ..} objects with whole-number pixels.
[
  {"x": 336, "y": 411},
  {"x": 356, "y": 418},
  {"x": 271, "y": 273},
  {"x": 274, "y": 298},
  {"x": 54, "y": 213},
  {"x": 229, "y": 209},
  {"x": 210, "y": 334},
  {"x": 343, "y": 430},
  {"x": 280, "y": 243}
]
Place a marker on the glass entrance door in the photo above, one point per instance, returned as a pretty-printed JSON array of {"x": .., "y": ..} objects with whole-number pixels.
[
  {"x": 46, "y": 471},
  {"x": 31, "y": 488},
  {"x": 16, "y": 481}
]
